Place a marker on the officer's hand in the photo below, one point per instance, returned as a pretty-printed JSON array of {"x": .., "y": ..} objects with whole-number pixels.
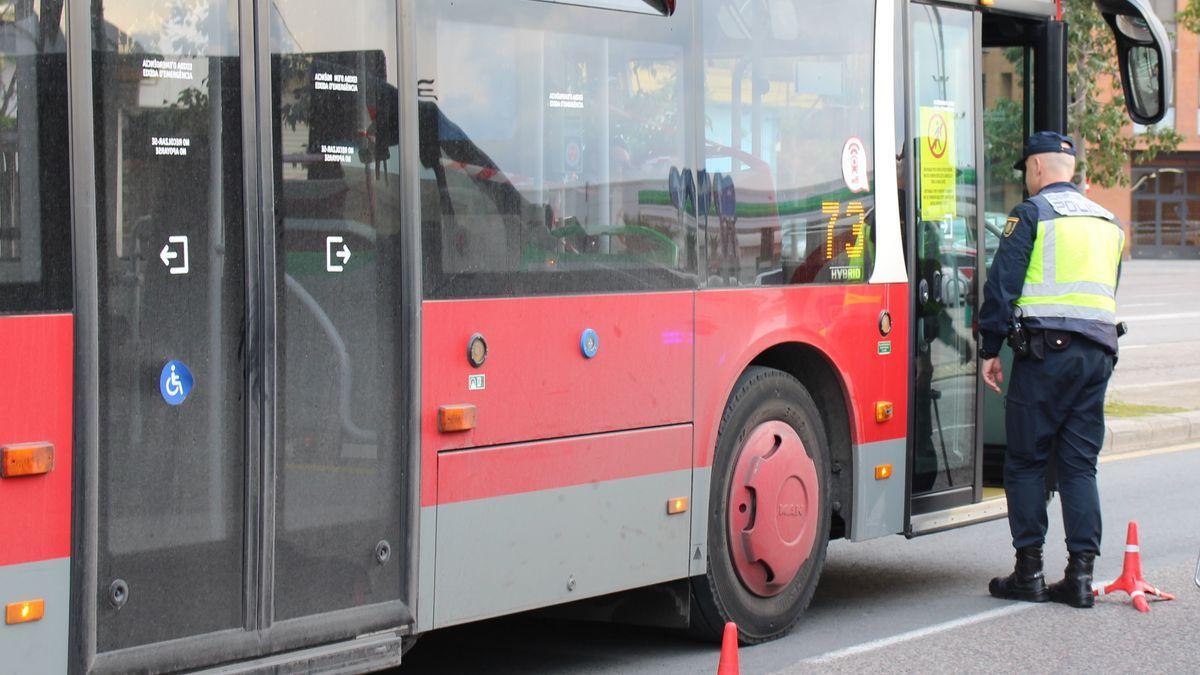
[{"x": 993, "y": 374}]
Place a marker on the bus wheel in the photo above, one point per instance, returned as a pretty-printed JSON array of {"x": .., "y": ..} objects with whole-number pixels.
[{"x": 768, "y": 518}]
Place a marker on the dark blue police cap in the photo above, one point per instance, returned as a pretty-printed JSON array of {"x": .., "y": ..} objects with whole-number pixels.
[{"x": 1045, "y": 141}]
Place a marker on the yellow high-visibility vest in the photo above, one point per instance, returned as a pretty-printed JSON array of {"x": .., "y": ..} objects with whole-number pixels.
[{"x": 1073, "y": 267}]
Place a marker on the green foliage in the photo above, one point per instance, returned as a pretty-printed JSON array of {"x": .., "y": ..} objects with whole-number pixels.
[
  {"x": 1004, "y": 135},
  {"x": 1189, "y": 17},
  {"x": 1094, "y": 122}
]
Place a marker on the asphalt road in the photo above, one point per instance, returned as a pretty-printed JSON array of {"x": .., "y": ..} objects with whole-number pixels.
[
  {"x": 1160, "y": 357},
  {"x": 915, "y": 606}
]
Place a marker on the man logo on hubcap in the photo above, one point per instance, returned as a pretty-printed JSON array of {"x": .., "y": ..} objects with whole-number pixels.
[{"x": 791, "y": 510}]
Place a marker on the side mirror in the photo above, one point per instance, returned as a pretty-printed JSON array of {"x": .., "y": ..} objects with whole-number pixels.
[{"x": 1144, "y": 54}]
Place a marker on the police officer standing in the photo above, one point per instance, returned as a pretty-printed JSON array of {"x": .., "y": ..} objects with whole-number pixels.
[{"x": 1052, "y": 291}]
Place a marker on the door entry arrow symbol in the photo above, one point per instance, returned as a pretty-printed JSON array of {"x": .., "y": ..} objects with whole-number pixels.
[
  {"x": 167, "y": 255},
  {"x": 332, "y": 251}
]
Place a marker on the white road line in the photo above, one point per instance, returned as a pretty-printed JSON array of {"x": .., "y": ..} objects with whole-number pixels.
[
  {"x": 1172, "y": 383},
  {"x": 1143, "y": 304},
  {"x": 1161, "y": 317},
  {"x": 919, "y": 633}
]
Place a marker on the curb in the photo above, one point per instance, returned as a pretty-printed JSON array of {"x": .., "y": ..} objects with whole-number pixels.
[{"x": 1130, "y": 434}]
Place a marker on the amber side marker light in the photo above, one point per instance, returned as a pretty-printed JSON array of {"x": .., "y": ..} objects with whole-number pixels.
[
  {"x": 883, "y": 472},
  {"x": 456, "y": 418},
  {"x": 24, "y": 612},
  {"x": 677, "y": 505},
  {"x": 26, "y": 459},
  {"x": 884, "y": 411}
]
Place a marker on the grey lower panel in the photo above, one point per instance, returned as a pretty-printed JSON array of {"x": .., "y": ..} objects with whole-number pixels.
[
  {"x": 38, "y": 646},
  {"x": 518, "y": 552},
  {"x": 878, "y": 504},
  {"x": 426, "y": 562},
  {"x": 701, "y": 489}
]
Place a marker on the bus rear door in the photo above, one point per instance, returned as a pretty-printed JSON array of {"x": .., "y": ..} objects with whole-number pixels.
[{"x": 247, "y": 493}]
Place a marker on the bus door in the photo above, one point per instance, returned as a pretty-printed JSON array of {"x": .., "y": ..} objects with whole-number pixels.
[
  {"x": 1010, "y": 80},
  {"x": 944, "y": 119},
  {"x": 247, "y": 489}
]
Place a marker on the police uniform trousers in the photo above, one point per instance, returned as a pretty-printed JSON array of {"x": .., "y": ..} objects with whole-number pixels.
[{"x": 1055, "y": 413}]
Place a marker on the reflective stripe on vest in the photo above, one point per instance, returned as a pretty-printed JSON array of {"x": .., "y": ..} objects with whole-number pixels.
[{"x": 1072, "y": 271}]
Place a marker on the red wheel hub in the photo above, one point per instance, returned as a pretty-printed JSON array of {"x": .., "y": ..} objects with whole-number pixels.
[{"x": 773, "y": 504}]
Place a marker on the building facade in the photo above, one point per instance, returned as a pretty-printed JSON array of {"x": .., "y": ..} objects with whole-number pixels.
[{"x": 1161, "y": 206}]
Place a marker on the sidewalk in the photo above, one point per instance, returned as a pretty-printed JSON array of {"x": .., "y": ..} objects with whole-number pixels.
[{"x": 1130, "y": 434}]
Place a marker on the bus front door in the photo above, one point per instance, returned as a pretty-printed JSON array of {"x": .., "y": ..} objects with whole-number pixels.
[
  {"x": 944, "y": 113},
  {"x": 1007, "y": 80}
]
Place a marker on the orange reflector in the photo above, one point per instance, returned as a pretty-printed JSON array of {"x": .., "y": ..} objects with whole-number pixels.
[
  {"x": 677, "y": 505},
  {"x": 456, "y": 418},
  {"x": 26, "y": 459},
  {"x": 883, "y": 472},
  {"x": 24, "y": 612},
  {"x": 884, "y": 411}
]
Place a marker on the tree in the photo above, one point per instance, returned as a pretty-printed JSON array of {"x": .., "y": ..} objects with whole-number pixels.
[
  {"x": 1189, "y": 17},
  {"x": 1096, "y": 118}
]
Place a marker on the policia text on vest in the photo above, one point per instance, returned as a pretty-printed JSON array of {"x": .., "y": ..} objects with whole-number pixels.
[{"x": 1057, "y": 269}]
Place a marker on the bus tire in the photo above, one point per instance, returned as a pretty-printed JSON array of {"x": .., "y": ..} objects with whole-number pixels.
[{"x": 762, "y": 573}]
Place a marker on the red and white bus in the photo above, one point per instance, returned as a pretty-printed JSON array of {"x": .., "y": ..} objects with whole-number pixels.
[{"x": 327, "y": 324}]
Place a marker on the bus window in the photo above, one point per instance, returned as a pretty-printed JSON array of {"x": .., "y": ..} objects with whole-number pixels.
[
  {"x": 35, "y": 216},
  {"x": 788, "y": 124},
  {"x": 546, "y": 154}
]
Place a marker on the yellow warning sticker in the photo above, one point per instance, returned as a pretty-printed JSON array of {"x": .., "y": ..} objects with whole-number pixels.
[{"x": 938, "y": 191}]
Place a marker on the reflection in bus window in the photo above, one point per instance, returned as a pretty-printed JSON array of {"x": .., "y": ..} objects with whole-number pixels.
[
  {"x": 788, "y": 115},
  {"x": 337, "y": 209},
  {"x": 35, "y": 263},
  {"x": 171, "y": 240},
  {"x": 546, "y": 155}
]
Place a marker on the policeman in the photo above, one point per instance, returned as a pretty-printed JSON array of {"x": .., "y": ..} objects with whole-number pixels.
[{"x": 1055, "y": 276}]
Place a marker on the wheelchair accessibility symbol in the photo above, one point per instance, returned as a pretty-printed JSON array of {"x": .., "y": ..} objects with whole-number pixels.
[{"x": 175, "y": 382}]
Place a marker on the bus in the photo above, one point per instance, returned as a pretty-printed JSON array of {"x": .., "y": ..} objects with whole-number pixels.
[{"x": 325, "y": 325}]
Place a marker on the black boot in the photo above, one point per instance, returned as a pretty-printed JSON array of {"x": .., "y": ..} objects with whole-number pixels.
[
  {"x": 1076, "y": 587},
  {"x": 1026, "y": 582}
]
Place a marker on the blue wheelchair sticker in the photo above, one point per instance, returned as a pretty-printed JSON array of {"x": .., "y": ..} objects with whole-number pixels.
[{"x": 175, "y": 382}]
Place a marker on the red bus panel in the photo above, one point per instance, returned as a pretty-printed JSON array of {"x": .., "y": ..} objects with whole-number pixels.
[
  {"x": 35, "y": 407},
  {"x": 735, "y": 326},
  {"x": 538, "y": 383}
]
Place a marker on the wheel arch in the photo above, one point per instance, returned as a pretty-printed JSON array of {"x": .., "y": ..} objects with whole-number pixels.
[{"x": 816, "y": 371}]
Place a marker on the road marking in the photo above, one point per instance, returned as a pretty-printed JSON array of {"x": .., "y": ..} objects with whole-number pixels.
[
  {"x": 1144, "y": 304},
  {"x": 1162, "y": 317},
  {"x": 936, "y": 628},
  {"x": 1148, "y": 453},
  {"x": 1145, "y": 385},
  {"x": 1163, "y": 345}
]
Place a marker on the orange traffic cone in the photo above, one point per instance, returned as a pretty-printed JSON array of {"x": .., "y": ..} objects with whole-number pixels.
[
  {"x": 728, "y": 665},
  {"x": 1131, "y": 580}
]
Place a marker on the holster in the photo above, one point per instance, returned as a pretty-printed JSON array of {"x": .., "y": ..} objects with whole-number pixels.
[{"x": 1027, "y": 343}]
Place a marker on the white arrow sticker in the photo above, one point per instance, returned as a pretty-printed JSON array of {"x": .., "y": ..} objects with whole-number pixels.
[
  {"x": 167, "y": 255},
  {"x": 332, "y": 251}
]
